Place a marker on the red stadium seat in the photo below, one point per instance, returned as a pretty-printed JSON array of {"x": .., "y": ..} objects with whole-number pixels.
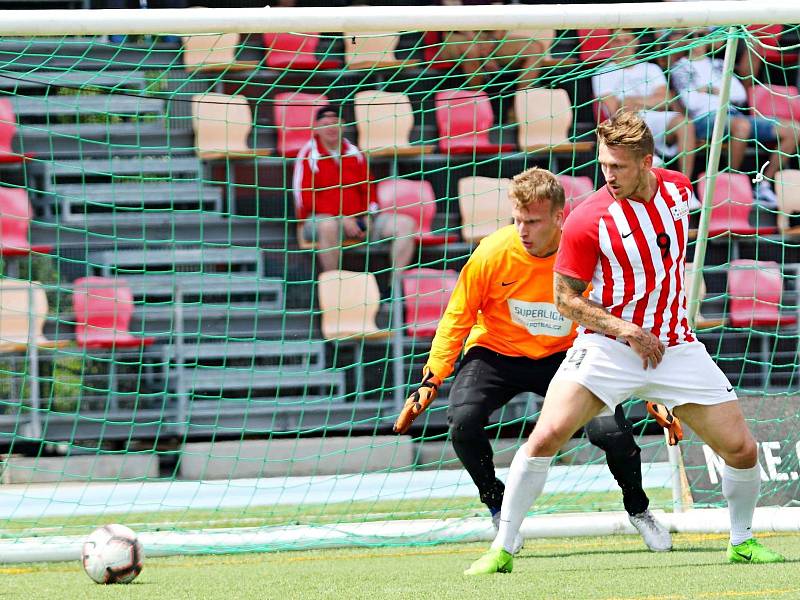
[
  {"x": 576, "y": 190},
  {"x": 432, "y": 41},
  {"x": 15, "y": 220},
  {"x": 780, "y": 101},
  {"x": 294, "y": 51},
  {"x": 770, "y": 36},
  {"x": 294, "y": 118},
  {"x": 731, "y": 205},
  {"x": 595, "y": 45},
  {"x": 8, "y": 129},
  {"x": 417, "y": 200},
  {"x": 755, "y": 289},
  {"x": 464, "y": 118},
  {"x": 103, "y": 308},
  {"x": 426, "y": 292}
]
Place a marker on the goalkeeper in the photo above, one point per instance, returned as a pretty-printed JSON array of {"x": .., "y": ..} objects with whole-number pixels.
[{"x": 515, "y": 341}]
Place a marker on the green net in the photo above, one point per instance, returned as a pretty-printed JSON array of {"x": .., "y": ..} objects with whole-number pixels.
[{"x": 183, "y": 350}]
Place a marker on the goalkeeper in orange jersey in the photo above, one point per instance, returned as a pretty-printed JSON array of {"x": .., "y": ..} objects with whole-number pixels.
[{"x": 515, "y": 341}]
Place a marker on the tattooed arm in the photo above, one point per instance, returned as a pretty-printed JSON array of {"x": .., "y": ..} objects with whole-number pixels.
[{"x": 571, "y": 303}]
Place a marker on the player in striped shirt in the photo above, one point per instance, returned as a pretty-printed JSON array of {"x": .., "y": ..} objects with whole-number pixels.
[
  {"x": 628, "y": 240},
  {"x": 503, "y": 307}
]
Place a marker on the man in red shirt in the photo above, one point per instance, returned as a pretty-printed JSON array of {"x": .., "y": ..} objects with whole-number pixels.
[
  {"x": 331, "y": 191},
  {"x": 629, "y": 241}
]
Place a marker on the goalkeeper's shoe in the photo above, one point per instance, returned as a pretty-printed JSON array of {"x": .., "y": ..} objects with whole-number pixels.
[
  {"x": 751, "y": 551},
  {"x": 654, "y": 534},
  {"x": 519, "y": 541},
  {"x": 495, "y": 560}
]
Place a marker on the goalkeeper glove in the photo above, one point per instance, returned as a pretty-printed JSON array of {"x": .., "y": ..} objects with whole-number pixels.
[
  {"x": 668, "y": 421},
  {"x": 417, "y": 402}
]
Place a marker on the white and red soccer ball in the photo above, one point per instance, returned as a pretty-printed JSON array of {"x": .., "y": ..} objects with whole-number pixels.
[{"x": 112, "y": 554}]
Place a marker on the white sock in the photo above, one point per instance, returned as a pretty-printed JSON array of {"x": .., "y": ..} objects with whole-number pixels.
[
  {"x": 741, "y": 489},
  {"x": 524, "y": 483}
]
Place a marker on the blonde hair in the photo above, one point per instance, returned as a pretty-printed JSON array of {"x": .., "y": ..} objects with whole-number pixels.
[
  {"x": 627, "y": 130},
  {"x": 536, "y": 185}
]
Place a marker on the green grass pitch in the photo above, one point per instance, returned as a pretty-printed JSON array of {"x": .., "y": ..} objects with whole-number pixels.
[{"x": 608, "y": 568}]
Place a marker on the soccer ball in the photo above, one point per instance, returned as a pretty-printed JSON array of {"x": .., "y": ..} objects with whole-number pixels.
[{"x": 112, "y": 554}]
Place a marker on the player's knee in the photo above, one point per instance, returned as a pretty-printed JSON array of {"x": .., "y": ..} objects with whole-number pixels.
[
  {"x": 605, "y": 433},
  {"x": 465, "y": 423},
  {"x": 547, "y": 439},
  {"x": 743, "y": 454}
]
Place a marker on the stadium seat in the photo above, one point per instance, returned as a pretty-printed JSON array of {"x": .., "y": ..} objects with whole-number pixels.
[
  {"x": 222, "y": 126},
  {"x": 595, "y": 45},
  {"x": 417, "y": 200},
  {"x": 464, "y": 118},
  {"x": 214, "y": 52},
  {"x": 771, "y": 51},
  {"x": 294, "y": 51},
  {"x": 103, "y": 307},
  {"x": 371, "y": 51},
  {"x": 787, "y": 188},
  {"x": 731, "y": 205},
  {"x": 20, "y": 303},
  {"x": 384, "y": 121},
  {"x": 8, "y": 130},
  {"x": 755, "y": 289},
  {"x": 781, "y": 101},
  {"x": 15, "y": 220},
  {"x": 544, "y": 119},
  {"x": 432, "y": 46},
  {"x": 484, "y": 206},
  {"x": 349, "y": 304},
  {"x": 576, "y": 190},
  {"x": 700, "y": 322},
  {"x": 426, "y": 293},
  {"x": 294, "y": 119}
]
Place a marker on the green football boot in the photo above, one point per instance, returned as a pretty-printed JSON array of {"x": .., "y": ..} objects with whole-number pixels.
[
  {"x": 752, "y": 551},
  {"x": 494, "y": 561}
]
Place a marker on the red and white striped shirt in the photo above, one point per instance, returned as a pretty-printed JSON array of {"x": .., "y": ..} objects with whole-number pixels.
[{"x": 634, "y": 255}]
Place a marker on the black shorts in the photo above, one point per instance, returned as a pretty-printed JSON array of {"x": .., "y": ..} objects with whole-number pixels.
[{"x": 492, "y": 379}]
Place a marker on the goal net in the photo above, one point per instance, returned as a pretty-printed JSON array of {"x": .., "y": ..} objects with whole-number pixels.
[{"x": 184, "y": 351}]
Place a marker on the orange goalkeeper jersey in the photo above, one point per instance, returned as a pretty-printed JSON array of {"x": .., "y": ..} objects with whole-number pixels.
[{"x": 503, "y": 301}]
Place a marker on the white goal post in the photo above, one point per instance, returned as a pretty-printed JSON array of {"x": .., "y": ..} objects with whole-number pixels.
[
  {"x": 394, "y": 18},
  {"x": 28, "y": 23}
]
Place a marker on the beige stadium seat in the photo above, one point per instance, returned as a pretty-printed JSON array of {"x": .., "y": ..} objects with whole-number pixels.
[
  {"x": 222, "y": 125},
  {"x": 23, "y": 311},
  {"x": 384, "y": 121},
  {"x": 213, "y": 52},
  {"x": 787, "y": 188},
  {"x": 544, "y": 118},
  {"x": 371, "y": 51},
  {"x": 484, "y": 206},
  {"x": 700, "y": 322},
  {"x": 349, "y": 302}
]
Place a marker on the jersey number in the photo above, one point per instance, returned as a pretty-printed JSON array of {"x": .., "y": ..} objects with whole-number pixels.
[{"x": 663, "y": 241}]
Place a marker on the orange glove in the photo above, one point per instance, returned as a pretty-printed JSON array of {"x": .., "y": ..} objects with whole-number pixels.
[
  {"x": 417, "y": 402},
  {"x": 668, "y": 421}
]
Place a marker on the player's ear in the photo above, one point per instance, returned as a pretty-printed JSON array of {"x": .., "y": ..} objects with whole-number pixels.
[
  {"x": 559, "y": 216},
  {"x": 647, "y": 161}
]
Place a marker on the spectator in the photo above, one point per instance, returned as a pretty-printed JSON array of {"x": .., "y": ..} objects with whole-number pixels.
[
  {"x": 482, "y": 54},
  {"x": 698, "y": 78},
  {"x": 642, "y": 88},
  {"x": 331, "y": 190}
]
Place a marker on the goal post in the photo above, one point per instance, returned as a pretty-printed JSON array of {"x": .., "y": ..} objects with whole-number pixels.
[{"x": 248, "y": 403}]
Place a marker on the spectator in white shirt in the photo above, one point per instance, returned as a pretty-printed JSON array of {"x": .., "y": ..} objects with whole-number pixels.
[
  {"x": 698, "y": 79},
  {"x": 643, "y": 88}
]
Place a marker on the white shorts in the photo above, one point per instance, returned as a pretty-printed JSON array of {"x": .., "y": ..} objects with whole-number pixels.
[
  {"x": 658, "y": 122},
  {"x": 613, "y": 372}
]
